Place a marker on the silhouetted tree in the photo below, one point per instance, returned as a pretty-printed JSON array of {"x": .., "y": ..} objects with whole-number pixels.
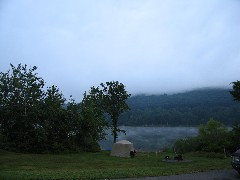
[
  {"x": 114, "y": 101},
  {"x": 33, "y": 118},
  {"x": 236, "y": 90},
  {"x": 21, "y": 95},
  {"x": 108, "y": 99},
  {"x": 214, "y": 136},
  {"x": 93, "y": 123}
]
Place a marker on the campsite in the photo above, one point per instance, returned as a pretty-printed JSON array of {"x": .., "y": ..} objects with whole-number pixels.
[
  {"x": 101, "y": 165},
  {"x": 100, "y": 90},
  {"x": 47, "y": 139}
]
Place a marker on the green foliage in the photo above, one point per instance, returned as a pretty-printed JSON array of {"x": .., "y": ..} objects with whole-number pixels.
[
  {"x": 109, "y": 99},
  {"x": 212, "y": 137},
  {"x": 235, "y": 137},
  {"x": 184, "y": 109},
  {"x": 20, "y": 100},
  {"x": 114, "y": 101},
  {"x": 236, "y": 90},
  {"x": 191, "y": 144},
  {"x": 93, "y": 114},
  {"x": 33, "y": 119}
]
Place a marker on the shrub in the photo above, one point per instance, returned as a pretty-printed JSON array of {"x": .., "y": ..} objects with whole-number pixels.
[
  {"x": 213, "y": 137},
  {"x": 182, "y": 146}
]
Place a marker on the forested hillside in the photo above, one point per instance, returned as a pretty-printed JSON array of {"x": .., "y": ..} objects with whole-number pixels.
[{"x": 183, "y": 109}]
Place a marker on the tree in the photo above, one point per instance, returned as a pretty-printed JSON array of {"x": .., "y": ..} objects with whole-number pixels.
[
  {"x": 108, "y": 99},
  {"x": 20, "y": 97},
  {"x": 54, "y": 121},
  {"x": 236, "y": 90},
  {"x": 214, "y": 136},
  {"x": 236, "y": 128},
  {"x": 114, "y": 102},
  {"x": 93, "y": 122},
  {"x": 31, "y": 119},
  {"x": 235, "y": 136}
]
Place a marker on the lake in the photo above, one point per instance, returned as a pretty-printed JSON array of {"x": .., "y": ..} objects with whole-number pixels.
[{"x": 150, "y": 138}]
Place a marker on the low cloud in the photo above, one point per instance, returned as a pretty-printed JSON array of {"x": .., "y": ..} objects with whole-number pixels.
[{"x": 151, "y": 46}]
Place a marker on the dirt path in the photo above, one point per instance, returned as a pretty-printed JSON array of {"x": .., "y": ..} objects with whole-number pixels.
[{"x": 229, "y": 174}]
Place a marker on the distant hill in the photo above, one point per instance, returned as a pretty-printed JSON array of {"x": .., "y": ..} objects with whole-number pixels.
[{"x": 183, "y": 109}]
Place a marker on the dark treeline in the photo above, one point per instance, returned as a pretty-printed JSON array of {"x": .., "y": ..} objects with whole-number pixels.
[
  {"x": 183, "y": 109},
  {"x": 35, "y": 118}
]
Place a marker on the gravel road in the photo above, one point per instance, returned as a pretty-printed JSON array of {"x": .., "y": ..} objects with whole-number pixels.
[{"x": 229, "y": 174}]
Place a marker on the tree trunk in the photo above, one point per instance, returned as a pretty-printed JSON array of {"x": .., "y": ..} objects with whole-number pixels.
[
  {"x": 115, "y": 136},
  {"x": 115, "y": 127}
]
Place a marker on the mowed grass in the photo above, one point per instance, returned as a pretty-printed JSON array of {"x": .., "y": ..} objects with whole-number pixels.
[{"x": 100, "y": 165}]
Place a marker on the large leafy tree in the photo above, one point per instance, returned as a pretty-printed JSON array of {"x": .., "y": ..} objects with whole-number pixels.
[
  {"x": 235, "y": 137},
  {"x": 236, "y": 90},
  {"x": 20, "y": 97},
  {"x": 93, "y": 121},
  {"x": 33, "y": 118},
  {"x": 108, "y": 100},
  {"x": 54, "y": 120},
  {"x": 114, "y": 102},
  {"x": 213, "y": 136}
]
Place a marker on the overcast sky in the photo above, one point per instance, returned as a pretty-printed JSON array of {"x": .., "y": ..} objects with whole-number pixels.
[{"x": 151, "y": 46}]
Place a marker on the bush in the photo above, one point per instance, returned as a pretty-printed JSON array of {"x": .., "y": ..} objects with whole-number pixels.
[
  {"x": 213, "y": 137},
  {"x": 94, "y": 147},
  {"x": 182, "y": 146}
]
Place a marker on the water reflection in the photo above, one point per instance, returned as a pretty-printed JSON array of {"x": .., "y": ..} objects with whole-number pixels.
[{"x": 150, "y": 138}]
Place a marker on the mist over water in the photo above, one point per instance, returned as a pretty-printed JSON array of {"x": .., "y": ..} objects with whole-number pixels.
[{"x": 150, "y": 138}]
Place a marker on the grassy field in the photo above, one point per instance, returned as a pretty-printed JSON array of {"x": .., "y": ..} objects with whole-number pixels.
[{"x": 101, "y": 165}]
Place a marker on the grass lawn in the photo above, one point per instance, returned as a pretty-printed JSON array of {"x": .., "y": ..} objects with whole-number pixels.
[{"x": 100, "y": 165}]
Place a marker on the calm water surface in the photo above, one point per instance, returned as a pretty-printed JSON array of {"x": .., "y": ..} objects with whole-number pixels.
[{"x": 150, "y": 138}]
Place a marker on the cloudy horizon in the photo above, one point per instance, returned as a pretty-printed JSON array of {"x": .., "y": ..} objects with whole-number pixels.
[{"x": 152, "y": 47}]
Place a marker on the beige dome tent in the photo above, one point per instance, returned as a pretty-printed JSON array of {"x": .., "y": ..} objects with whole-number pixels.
[{"x": 122, "y": 148}]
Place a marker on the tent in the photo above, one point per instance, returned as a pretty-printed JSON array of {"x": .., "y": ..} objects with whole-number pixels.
[{"x": 122, "y": 149}]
